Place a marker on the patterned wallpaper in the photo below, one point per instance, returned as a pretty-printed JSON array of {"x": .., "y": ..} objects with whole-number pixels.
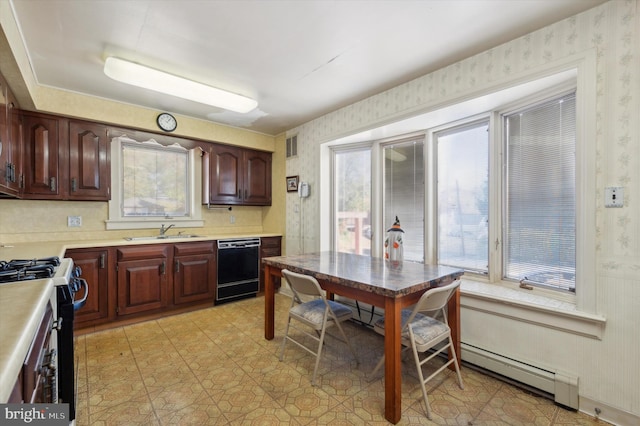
[{"x": 612, "y": 30}]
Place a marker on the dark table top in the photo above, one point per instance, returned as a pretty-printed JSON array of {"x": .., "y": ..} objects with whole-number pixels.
[{"x": 372, "y": 274}]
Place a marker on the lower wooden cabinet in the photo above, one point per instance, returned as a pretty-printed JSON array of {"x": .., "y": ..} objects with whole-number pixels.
[
  {"x": 134, "y": 281},
  {"x": 94, "y": 265},
  {"x": 142, "y": 279},
  {"x": 269, "y": 246},
  {"x": 194, "y": 272}
]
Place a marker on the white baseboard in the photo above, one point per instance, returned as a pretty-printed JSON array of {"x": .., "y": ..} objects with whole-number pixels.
[{"x": 608, "y": 414}]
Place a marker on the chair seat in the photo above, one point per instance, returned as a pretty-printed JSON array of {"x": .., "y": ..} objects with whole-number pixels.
[
  {"x": 425, "y": 328},
  {"x": 313, "y": 311}
]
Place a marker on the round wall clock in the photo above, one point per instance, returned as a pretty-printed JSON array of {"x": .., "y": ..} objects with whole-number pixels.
[{"x": 167, "y": 122}]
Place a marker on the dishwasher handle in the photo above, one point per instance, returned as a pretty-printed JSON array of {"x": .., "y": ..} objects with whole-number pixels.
[{"x": 245, "y": 243}]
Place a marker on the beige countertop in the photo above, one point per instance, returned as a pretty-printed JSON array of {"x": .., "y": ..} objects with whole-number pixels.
[
  {"x": 22, "y": 306},
  {"x": 32, "y": 250}
]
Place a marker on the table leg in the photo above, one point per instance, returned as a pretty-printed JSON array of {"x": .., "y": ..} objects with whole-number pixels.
[
  {"x": 269, "y": 304},
  {"x": 453, "y": 316},
  {"x": 392, "y": 366}
]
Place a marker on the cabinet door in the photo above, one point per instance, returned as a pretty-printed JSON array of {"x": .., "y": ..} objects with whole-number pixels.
[
  {"x": 37, "y": 376},
  {"x": 41, "y": 162},
  {"x": 14, "y": 143},
  {"x": 9, "y": 142},
  {"x": 194, "y": 272},
  {"x": 95, "y": 271},
  {"x": 88, "y": 162},
  {"x": 5, "y": 154},
  {"x": 194, "y": 278},
  {"x": 225, "y": 175},
  {"x": 142, "y": 286},
  {"x": 257, "y": 178}
]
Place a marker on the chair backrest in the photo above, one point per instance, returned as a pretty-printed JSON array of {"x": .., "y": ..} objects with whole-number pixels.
[
  {"x": 303, "y": 284},
  {"x": 435, "y": 299}
]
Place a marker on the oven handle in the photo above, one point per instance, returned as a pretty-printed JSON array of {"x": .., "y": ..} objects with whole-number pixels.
[{"x": 77, "y": 304}]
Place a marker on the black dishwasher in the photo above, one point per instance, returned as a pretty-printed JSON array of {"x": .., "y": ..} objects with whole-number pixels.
[{"x": 238, "y": 268}]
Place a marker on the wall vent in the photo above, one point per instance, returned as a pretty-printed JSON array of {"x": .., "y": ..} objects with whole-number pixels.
[{"x": 292, "y": 146}]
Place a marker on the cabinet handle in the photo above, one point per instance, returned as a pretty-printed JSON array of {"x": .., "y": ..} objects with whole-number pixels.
[
  {"x": 245, "y": 193},
  {"x": 177, "y": 262},
  {"x": 239, "y": 193},
  {"x": 74, "y": 185},
  {"x": 12, "y": 167},
  {"x": 102, "y": 261},
  {"x": 163, "y": 268},
  {"x": 57, "y": 324},
  {"x": 52, "y": 184}
]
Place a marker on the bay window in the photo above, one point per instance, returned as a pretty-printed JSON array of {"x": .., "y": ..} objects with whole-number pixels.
[{"x": 510, "y": 219}]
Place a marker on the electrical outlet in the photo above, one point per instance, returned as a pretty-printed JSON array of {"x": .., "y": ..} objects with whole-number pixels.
[
  {"x": 232, "y": 219},
  {"x": 74, "y": 221}
]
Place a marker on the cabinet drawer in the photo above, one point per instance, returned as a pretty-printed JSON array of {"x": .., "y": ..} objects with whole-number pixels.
[
  {"x": 270, "y": 242},
  {"x": 142, "y": 252},
  {"x": 184, "y": 249}
]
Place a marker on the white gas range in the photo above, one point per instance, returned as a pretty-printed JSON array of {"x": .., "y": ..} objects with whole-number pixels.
[{"x": 70, "y": 294}]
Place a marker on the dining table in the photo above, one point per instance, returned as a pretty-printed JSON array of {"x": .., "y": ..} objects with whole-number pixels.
[{"x": 389, "y": 285}]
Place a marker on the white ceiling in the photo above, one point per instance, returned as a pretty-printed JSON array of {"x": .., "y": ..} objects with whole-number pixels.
[{"x": 298, "y": 58}]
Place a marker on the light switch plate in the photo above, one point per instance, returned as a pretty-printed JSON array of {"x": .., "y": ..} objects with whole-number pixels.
[
  {"x": 614, "y": 196},
  {"x": 74, "y": 221}
]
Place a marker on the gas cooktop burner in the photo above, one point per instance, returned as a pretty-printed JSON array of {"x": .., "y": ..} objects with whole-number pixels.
[{"x": 28, "y": 269}]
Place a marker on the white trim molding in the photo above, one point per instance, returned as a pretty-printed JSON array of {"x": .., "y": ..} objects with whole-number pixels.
[{"x": 530, "y": 308}]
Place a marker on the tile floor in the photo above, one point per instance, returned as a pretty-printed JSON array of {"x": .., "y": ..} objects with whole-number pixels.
[{"x": 214, "y": 367}]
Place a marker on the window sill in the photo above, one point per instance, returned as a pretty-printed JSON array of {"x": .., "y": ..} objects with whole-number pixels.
[{"x": 531, "y": 308}]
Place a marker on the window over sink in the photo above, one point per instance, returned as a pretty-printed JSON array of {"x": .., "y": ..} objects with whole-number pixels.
[{"x": 154, "y": 184}]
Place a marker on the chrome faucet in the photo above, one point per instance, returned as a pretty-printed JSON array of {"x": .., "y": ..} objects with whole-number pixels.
[{"x": 163, "y": 230}]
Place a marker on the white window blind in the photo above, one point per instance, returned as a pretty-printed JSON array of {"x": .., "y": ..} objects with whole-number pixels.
[
  {"x": 404, "y": 194},
  {"x": 540, "y": 192}
]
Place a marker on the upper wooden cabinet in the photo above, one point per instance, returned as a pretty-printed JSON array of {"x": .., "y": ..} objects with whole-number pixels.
[
  {"x": 42, "y": 162},
  {"x": 239, "y": 176},
  {"x": 65, "y": 159},
  {"x": 89, "y": 171},
  {"x": 10, "y": 146}
]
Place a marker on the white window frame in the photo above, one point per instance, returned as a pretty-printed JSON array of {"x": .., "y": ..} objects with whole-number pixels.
[
  {"x": 577, "y": 314},
  {"x": 118, "y": 221}
]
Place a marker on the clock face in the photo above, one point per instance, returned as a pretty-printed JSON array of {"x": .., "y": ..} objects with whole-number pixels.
[{"x": 167, "y": 122}]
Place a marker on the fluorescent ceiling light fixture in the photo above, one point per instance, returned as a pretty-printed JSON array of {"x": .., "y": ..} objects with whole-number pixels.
[{"x": 158, "y": 81}]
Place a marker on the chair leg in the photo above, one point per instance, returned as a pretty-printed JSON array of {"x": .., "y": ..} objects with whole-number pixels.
[
  {"x": 378, "y": 365},
  {"x": 455, "y": 363},
  {"x": 422, "y": 383},
  {"x": 346, "y": 340},
  {"x": 319, "y": 353},
  {"x": 284, "y": 339}
]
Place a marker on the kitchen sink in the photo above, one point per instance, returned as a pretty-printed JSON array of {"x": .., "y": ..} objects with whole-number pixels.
[{"x": 162, "y": 237}]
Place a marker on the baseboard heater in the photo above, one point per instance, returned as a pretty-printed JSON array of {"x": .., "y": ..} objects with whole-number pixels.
[{"x": 563, "y": 387}]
